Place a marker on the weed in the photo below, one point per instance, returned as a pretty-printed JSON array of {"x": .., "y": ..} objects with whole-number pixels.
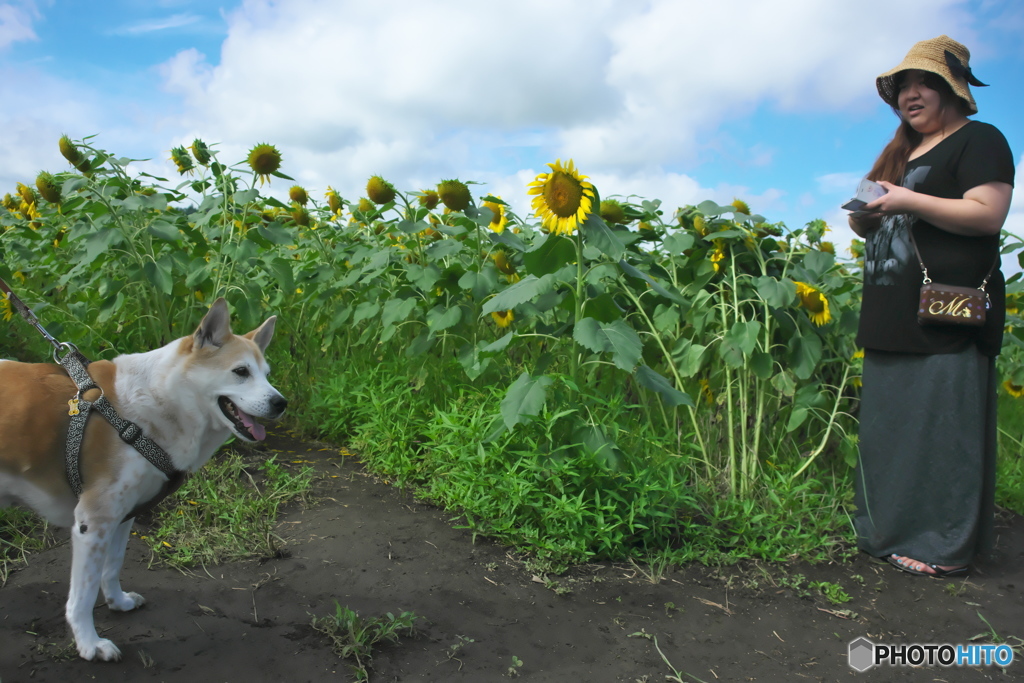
[
  {"x": 456, "y": 647},
  {"x": 224, "y": 512},
  {"x": 833, "y": 592},
  {"x": 21, "y": 532},
  {"x": 676, "y": 675},
  {"x": 517, "y": 664},
  {"x": 353, "y": 637}
]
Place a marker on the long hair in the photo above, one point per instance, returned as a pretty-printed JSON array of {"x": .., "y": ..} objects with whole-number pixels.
[{"x": 891, "y": 164}]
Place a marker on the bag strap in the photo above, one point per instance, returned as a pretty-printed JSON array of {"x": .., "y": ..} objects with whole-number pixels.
[{"x": 924, "y": 269}]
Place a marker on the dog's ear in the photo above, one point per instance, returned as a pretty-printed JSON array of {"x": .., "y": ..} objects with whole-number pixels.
[
  {"x": 215, "y": 328},
  {"x": 264, "y": 333}
]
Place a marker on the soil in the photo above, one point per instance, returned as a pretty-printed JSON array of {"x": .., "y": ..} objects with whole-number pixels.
[{"x": 485, "y": 616}]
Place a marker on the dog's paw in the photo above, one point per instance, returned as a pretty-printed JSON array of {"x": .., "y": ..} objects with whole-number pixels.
[
  {"x": 125, "y": 602},
  {"x": 101, "y": 650}
]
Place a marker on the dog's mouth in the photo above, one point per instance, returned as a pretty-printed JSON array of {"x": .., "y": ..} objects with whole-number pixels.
[{"x": 243, "y": 423}]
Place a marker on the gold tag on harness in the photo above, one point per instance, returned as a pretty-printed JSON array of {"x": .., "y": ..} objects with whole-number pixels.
[{"x": 73, "y": 407}]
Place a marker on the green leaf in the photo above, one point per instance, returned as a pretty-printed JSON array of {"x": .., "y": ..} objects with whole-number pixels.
[
  {"x": 164, "y": 230},
  {"x": 443, "y": 249},
  {"x": 796, "y": 418},
  {"x": 275, "y": 233},
  {"x": 761, "y": 364},
  {"x": 739, "y": 342},
  {"x": 596, "y": 232},
  {"x": 198, "y": 273},
  {"x": 777, "y": 293},
  {"x": 424, "y": 277},
  {"x": 689, "y": 357},
  {"x": 649, "y": 379},
  {"x": 527, "y": 289},
  {"x": 159, "y": 274},
  {"x": 633, "y": 271},
  {"x": 549, "y": 256},
  {"x": 818, "y": 262},
  {"x": 365, "y": 311},
  {"x": 806, "y": 352},
  {"x": 246, "y": 196},
  {"x": 784, "y": 383},
  {"x": 441, "y": 318},
  {"x": 616, "y": 337},
  {"x": 99, "y": 242},
  {"x": 677, "y": 242},
  {"x": 396, "y": 310},
  {"x": 524, "y": 399},
  {"x": 281, "y": 269}
]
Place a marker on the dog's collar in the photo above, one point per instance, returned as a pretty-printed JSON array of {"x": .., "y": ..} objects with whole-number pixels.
[{"x": 75, "y": 364}]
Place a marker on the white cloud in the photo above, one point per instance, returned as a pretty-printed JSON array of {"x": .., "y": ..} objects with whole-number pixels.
[
  {"x": 154, "y": 25},
  {"x": 16, "y": 22}
]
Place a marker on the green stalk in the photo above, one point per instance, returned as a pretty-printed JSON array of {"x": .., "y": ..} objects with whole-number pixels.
[{"x": 831, "y": 422}]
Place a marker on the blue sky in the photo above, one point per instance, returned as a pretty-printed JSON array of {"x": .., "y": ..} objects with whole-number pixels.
[{"x": 679, "y": 100}]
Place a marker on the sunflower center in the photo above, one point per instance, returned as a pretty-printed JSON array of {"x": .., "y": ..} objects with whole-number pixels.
[
  {"x": 812, "y": 301},
  {"x": 563, "y": 194}
]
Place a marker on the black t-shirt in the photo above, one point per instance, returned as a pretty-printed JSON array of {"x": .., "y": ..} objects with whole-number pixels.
[{"x": 975, "y": 154}]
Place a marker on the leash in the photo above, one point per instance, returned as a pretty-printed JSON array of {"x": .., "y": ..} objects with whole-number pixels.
[{"x": 75, "y": 364}]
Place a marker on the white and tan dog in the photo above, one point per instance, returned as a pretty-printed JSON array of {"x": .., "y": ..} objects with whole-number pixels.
[{"x": 188, "y": 396}]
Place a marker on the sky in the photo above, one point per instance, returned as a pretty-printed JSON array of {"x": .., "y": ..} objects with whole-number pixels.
[{"x": 678, "y": 100}]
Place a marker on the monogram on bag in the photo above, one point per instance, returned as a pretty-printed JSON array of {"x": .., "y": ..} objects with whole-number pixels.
[{"x": 949, "y": 304}]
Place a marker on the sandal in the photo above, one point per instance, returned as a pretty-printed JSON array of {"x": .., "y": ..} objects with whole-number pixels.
[{"x": 937, "y": 572}]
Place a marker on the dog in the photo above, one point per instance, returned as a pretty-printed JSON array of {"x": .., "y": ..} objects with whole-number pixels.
[{"x": 189, "y": 397}]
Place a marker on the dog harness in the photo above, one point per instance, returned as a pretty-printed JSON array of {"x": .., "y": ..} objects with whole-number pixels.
[{"x": 79, "y": 409}]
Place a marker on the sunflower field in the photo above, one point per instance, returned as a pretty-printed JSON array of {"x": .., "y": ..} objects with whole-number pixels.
[{"x": 602, "y": 379}]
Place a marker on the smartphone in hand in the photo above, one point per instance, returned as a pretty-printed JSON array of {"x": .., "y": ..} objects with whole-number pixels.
[{"x": 867, "y": 192}]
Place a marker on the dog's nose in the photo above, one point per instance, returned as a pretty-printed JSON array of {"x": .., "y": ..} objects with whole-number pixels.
[{"x": 279, "y": 403}]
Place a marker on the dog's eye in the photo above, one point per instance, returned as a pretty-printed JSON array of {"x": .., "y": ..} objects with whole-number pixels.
[{"x": 241, "y": 372}]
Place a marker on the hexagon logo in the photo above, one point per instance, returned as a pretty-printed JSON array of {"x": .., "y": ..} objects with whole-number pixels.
[{"x": 862, "y": 654}]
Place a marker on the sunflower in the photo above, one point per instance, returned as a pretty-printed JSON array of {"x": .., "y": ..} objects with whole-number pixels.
[
  {"x": 705, "y": 389},
  {"x": 814, "y": 302},
  {"x": 365, "y": 205},
  {"x": 200, "y": 151},
  {"x": 502, "y": 263},
  {"x": 455, "y": 194},
  {"x": 48, "y": 187},
  {"x": 70, "y": 151},
  {"x": 564, "y": 198},
  {"x": 297, "y": 194},
  {"x": 828, "y": 248},
  {"x": 300, "y": 216},
  {"x": 503, "y": 318},
  {"x": 6, "y": 312},
  {"x": 717, "y": 256},
  {"x": 181, "y": 159},
  {"x": 1015, "y": 390},
  {"x": 264, "y": 160},
  {"x": 379, "y": 190},
  {"x": 499, "y": 220},
  {"x": 333, "y": 200},
  {"x": 28, "y": 195},
  {"x": 700, "y": 225},
  {"x": 612, "y": 211},
  {"x": 741, "y": 206},
  {"x": 429, "y": 199},
  {"x": 9, "y": 202}
]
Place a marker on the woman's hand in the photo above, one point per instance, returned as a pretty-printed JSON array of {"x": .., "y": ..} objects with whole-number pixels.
[
  {"x": 981, "y": 211},
  {"x": 896, "y": 200}
]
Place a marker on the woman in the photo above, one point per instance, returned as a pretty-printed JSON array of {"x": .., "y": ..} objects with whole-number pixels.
[{"x": 926, "y": 482}]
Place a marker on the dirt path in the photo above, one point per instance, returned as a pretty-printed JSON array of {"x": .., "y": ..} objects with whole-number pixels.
[{"x": 375, "y": 550}]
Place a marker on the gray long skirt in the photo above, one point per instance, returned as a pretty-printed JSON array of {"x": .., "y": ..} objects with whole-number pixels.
[{"x": 926, "y": 479}]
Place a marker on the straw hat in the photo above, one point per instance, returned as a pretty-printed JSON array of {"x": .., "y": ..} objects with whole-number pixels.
[{"x": 942, "y": 56}]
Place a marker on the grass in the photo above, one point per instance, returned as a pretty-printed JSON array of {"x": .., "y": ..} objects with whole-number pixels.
[
  {"x": 1010, "y": 467},
  {"x": 21, "y": 532},
  {"x": 352, "y": 637},
  {"x": 611, "y": 489},
  {"x": 226, "y": 511}
]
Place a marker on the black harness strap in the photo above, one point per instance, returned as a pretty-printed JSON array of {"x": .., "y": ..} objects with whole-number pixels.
[{"x": 79, "y": 409}]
